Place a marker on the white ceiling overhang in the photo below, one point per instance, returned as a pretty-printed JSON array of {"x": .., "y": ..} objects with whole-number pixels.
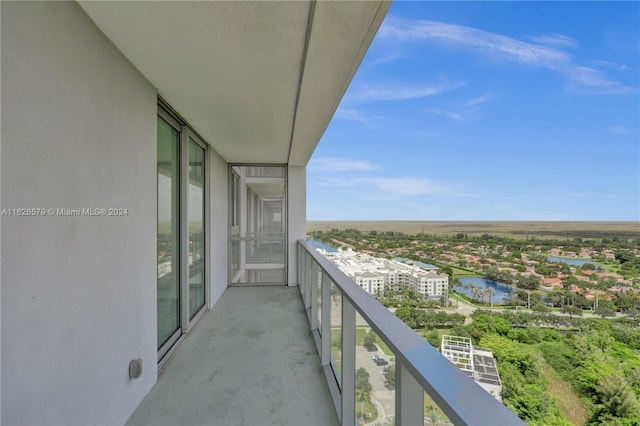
[{"x": 259, "y": 81}]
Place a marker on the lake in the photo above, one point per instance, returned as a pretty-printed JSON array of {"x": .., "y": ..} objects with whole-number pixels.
[
  {"x": 320, "y": 245},
  {"x": 569, "y": 261},
  {"x": 503, "y": 291}
]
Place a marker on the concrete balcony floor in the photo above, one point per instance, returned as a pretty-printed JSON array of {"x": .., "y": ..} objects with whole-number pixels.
[{"x": 250, "y": 361}]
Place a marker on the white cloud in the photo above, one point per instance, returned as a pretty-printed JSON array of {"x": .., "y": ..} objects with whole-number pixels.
[
  {"x": 337, "y": 164},
  {"x": 557, "y": 40},
  {"x": 477, "y": 101},
  {"x": 449, "y": 114},
  {"x": 484, "y": 41},
  {"x": 406, "y": 186},
  {"x": 335, "y": 183},
  {"x": 607, "y": 64},
  {"x": 397, "y": 92},
  {"x": 592, "y": 81},
  {"x": 352, "y": 115},
  {"x": 619, "y": 129},
  {"x": 356, "y": 115},
  {"x": 584, "y": 79}
]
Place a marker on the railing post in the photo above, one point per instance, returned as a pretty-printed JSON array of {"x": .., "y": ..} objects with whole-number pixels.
[
  {"x": 409, "y": 398},
  {"x": 314, "y": 296},
  {"x": 325, "y": 354},
  {"x": 299, "y": 271},
  {"x": 348, "y": 411},
  {"x": 307, "y": 276}
]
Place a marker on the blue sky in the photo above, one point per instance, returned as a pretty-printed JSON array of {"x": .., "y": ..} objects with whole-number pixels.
[{"x": 488, "y": 111}]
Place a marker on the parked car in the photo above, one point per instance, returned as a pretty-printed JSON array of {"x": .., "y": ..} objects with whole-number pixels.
[{"x": 379, "y": 360}]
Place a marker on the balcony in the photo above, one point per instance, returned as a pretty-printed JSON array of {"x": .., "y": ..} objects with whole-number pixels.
[
  {"x": 253, "y": 361},
  {"x": 250, "y": 361}
]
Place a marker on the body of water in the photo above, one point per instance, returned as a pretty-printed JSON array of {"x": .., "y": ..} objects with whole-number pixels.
[
  {"x": 569, "y": 261},
  {"x": 319, "y": 245},
  {"x": 503, "y": 291}
]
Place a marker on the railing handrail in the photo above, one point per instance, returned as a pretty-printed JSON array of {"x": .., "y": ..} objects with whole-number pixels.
[{"x": 459, "y": 396}]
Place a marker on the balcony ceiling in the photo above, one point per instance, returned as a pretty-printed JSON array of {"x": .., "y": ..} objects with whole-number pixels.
[{"x": 259, "y": 81}]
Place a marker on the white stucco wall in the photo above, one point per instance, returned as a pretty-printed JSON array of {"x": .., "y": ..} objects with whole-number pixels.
[
  {"x": 78, "y": 293},
  {"x": 297, "y": 207},
  {"x": 219, "y": 232}
]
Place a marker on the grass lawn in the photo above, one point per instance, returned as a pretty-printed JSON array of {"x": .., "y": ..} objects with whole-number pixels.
[
  {"x": 568, "y": 401},
  {"x": 387, "y": 351},
  {"x": 368, "y": 409}
]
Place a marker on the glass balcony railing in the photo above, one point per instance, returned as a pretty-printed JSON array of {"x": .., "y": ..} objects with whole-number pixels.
[{"x": 379, "y": 370}]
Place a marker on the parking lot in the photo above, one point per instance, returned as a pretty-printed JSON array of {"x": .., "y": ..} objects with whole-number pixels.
[{"x": 380, "y": 395}]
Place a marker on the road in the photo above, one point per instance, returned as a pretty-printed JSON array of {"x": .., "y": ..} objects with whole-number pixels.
[{"x": 380, "y": 395}]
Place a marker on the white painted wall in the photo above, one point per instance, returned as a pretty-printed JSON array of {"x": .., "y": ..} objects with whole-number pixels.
[
  {"x": 297, "y": 207},
  {"x": 219, "y": 235},
  {"x": 79, "y": 293}
]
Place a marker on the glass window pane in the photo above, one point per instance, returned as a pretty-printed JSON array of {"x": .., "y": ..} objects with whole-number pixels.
[
  {"x": 433, "y": 415},
  {"x": 375, "y": 377},
  {"x": 168, "y": 235},
  {"x": 336, "y": 333},
  {"x": 195, "y": 215},
  {"x": 257, "y": 225}
]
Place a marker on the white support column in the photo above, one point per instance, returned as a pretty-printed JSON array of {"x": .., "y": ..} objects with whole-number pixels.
[
  {"x": 348, "y": 409},
  {"x": 297, "y": 214},
  {"x": 409, "y": 398}
]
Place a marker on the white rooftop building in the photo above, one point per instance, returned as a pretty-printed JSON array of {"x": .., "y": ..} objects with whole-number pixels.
[
  {"x": 478, "y": 363},
  {"x": 375, "y": 274}
]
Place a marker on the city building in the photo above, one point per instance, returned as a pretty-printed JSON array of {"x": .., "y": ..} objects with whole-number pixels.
[
  {"x": 478, "y": 363},
  {"x": 375, "y": 275},
  {"x": 153, "y": 267}
]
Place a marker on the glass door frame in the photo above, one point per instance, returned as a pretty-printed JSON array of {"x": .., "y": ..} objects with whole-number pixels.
[
  {"x": 186, "y": 134},
  {"x": 237, "y": 216}
]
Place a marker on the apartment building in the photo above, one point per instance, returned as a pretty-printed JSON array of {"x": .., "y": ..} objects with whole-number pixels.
[
  {"x": 176, "y": 135},
  {"x": 375, "y": 275}
]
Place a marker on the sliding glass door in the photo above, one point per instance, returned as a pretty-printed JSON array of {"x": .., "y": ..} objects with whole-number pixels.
[
  {"x": 168, "y": 233},
  {"x": 196, "y": 228},
  {"x": 181, "y": 287}
]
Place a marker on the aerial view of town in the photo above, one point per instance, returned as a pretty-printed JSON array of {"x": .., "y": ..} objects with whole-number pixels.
[{"x": 543, "y": 316}]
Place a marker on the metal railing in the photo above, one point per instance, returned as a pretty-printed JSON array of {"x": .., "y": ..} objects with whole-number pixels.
[{"x": 338, "y": 310}]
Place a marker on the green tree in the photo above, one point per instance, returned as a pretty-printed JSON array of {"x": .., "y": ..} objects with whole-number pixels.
[
  {"x": 571, "y": 310},
  {"x": 529, "y": 283},
  {"x": 369, "y": 340},
  {"x": 616, "y": 398},
  {"x": 389, "y": 373},
  {"x": 362, "y": 381},
  {"x": 604, "y": 312}
]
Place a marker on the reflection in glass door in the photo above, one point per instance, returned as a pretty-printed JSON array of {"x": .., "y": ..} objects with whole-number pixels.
[
  {"x": 258, "y": 225},
  {"x": 168, "y": 233},
  {"x": 196, "y": 228},
  {"x": 182, "y": 273}
]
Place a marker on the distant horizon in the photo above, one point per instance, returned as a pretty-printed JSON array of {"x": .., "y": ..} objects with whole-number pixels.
[
  {"x": 489, "y": 111},
  {"x": 509, "y": 228}
]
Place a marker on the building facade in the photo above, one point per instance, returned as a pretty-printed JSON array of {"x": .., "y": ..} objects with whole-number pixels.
[
  {"x": 153, "y": 161},
  {"x": 177, "y": 136},
  {"x": 375, "y": 275}
]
